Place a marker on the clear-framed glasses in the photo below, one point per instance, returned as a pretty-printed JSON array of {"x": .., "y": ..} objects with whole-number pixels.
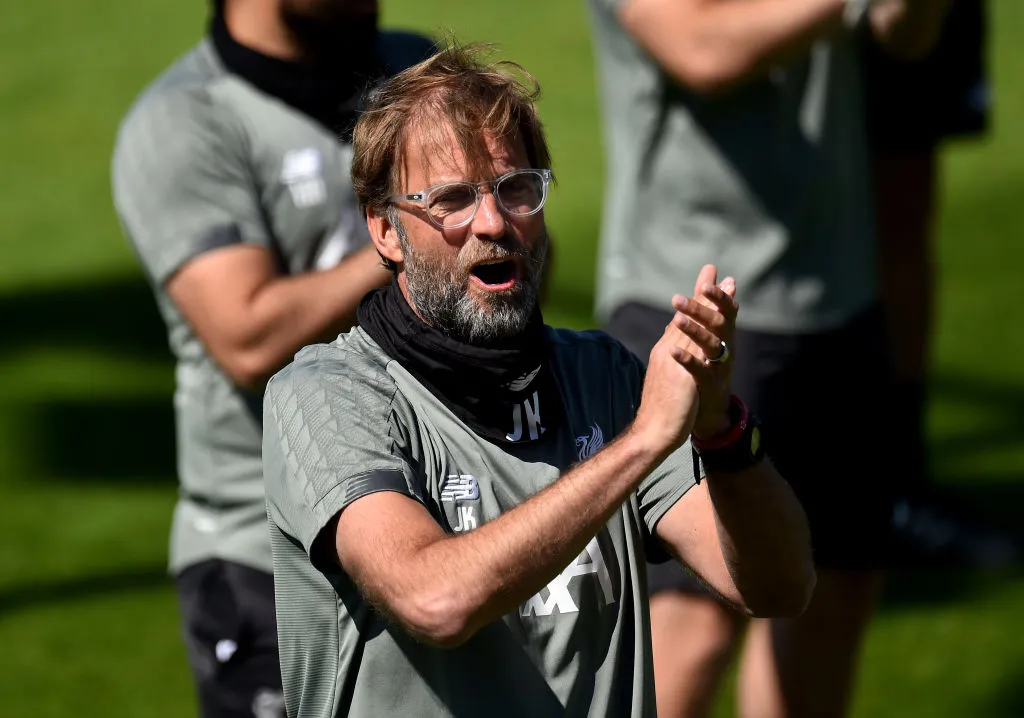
[{"x": 519, "y": 193}]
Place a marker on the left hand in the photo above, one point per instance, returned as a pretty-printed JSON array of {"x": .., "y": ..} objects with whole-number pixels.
[{"x": 708, "y": 319}]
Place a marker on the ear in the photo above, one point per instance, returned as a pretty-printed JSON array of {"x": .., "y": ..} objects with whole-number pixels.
[{"x": 384, "y": 235}]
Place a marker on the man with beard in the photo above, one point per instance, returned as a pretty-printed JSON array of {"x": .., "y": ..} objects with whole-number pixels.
[
  {"x": 461, "y": 498},
  {"x": 230, "y": 177}
]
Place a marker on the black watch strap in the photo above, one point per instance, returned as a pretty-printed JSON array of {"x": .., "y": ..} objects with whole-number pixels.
[{"x": 736, "y": 450}]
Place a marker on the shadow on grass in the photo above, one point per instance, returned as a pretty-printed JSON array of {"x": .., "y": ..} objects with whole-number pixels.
[
  {"x": 68, "y": 590},
  {"x": 120, "y": 315},
  {"x": 1008, "y": 700},
  {"x": 100, "y": 440},
  {"x": 94, "y": 438},
  {"x": 1001, "y": 404},
  {"x": 907, "y": 589}
]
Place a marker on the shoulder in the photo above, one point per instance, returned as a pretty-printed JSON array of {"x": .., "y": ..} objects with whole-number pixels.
[
  {"x": 587, "y": 340},
  {"x": 401, "y": 49},
  {"x": 180, "y": 103},
  {"x": 594, "y": 348},
  {"x": 348, "y": 373}
]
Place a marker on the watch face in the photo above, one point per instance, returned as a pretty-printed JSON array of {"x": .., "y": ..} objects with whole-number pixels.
[{"x": 755, "y": 440}]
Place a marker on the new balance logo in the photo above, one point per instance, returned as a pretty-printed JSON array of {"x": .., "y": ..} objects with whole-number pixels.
[
  {"x": 523, "y": 381},
  {"x": 460, "y": 487},
  {"x": 590, "y": 562},
  {"x": 590, "y": 445}
]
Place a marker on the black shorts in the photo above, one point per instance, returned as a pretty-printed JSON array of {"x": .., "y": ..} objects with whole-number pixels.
[
  {"x": 912, "y": 106},
  {"x": 230, "y": 633},
  {"x": 822, "y": 401}
]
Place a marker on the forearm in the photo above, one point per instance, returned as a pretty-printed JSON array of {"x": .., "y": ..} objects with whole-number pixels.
[
  {"x": 908, "y": 28},
  {"x": 452, "y": 587},
  {"x": 713, "y": 45},
  {"x": 764, "y": 538},
  {"x": 290, "y": 312}
]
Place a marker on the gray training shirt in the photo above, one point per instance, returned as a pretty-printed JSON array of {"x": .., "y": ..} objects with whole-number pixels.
[
  {"x": 345, "y": 420},
  {"x": 768, "y": 180}
]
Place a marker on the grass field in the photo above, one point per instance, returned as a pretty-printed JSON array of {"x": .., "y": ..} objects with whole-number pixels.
[{"x": 87, "y": 617}]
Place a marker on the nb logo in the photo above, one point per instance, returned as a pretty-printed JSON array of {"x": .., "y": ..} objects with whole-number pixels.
[
  {"x": 523, "y": 381},
  {"x": 460, "y": 487},
  {"x": 590, "y": 562},
  {"x": 301, "y": 172}
]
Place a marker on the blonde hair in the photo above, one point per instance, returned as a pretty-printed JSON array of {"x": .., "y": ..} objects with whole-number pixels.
[{"x": 457, "y": 93}]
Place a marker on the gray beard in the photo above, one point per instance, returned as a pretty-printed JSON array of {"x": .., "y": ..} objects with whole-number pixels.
[{"x": 441, "y": 295}]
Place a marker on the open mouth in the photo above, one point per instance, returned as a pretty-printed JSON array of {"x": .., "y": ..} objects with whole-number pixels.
[{"x": 495, "y": 275}]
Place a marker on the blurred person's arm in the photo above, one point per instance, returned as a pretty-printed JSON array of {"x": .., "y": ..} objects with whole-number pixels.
[
  {"x": 712, "y": 45},
  {"x": 253, "y": 320},
  {"x": 188, "y": 202}
]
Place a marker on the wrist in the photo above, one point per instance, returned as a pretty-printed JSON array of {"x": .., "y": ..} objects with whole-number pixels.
[
  {"x": 716, "y": 429},
  {"x": 728, "y": 429},
  {"x": 648, "y": 446},
  {"x": 733, "y": 451}
]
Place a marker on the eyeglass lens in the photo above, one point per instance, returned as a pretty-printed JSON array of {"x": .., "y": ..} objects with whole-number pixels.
[{"x": 454, "y": 204}]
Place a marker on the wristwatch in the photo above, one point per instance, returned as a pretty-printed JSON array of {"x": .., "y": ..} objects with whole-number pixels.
[{"x": 734, "y": 450}]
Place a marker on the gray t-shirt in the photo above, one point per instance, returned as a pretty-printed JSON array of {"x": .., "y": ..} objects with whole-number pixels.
[
  {"x": 345, "y": 420},
  {"x": 769, "y": 181},
  {"x": 204, "y": 160}
]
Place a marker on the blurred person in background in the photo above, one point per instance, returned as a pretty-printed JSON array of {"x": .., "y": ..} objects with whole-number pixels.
[
  {"x": 913, "y": 107},
  {"x": 735, "y": 135},
  {"x": 231, "y": 180},
  {"x": 461, "y": 497}
]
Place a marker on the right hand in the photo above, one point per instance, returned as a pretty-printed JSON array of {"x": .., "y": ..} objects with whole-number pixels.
[
  {"x": 669, "y": 403},
  {"x": 677, "y": 371}
]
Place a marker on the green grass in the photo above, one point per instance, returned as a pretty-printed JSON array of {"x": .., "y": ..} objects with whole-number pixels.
[{"x": 87, "y": 615}]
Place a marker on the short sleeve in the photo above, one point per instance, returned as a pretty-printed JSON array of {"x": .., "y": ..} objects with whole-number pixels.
[
  {"x": 181, "y": 181},
  {"x": 664, "y": 486},
  {"x": 330, "y": 437},
  {"x": 671, "y": 479}
]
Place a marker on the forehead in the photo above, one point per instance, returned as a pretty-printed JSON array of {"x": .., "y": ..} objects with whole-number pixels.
[{"x": 434, "y": 153}]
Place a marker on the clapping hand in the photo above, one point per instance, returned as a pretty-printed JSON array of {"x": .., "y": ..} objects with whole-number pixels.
[{"x": 687, "y": 386}]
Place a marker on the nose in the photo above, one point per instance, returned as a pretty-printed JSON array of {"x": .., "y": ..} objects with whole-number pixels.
[{"x": 489, "y": 222}]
